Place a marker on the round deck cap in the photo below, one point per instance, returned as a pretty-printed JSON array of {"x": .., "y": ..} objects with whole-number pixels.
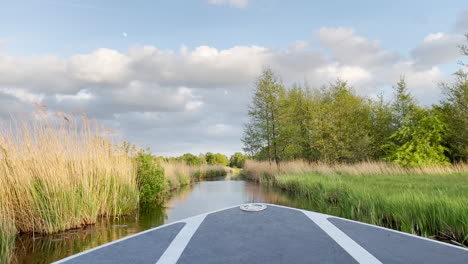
[{"x": 253, "y": 207}]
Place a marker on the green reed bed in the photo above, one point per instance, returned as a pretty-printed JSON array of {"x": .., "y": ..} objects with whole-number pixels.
[{"x": 427, "y": 205}]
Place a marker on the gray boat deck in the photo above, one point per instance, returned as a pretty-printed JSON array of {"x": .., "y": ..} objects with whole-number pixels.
[{"x": 275, "y": 235}]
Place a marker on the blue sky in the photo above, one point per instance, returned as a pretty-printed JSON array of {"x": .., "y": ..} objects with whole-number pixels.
[
  {"x": 69, "y": 27},
  {"x": 177, "y": 75}
]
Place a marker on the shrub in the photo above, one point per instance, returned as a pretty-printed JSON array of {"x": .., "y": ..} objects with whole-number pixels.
[
  {"x": 421, "y": 143},
  {"x": 237, "y": 160},
  {"x": 151, "y": 180},
  {"x": 191, "y": 159}
]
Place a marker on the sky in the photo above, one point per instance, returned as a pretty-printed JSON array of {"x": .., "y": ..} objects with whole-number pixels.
[{"x": 177, "y": 76}]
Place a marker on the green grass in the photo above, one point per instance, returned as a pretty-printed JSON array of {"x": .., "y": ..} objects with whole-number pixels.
[
  {"x": 7, "y": 234},
  {"x": 428, "y": 205},
  {"x": 7, "y": 240}
]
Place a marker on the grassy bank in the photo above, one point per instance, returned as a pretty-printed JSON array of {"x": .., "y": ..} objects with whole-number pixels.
[{"x": 425, "y": 201}]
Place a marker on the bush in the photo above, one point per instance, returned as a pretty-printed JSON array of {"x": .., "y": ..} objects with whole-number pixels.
[
  {"x": 216, "y": 159},
  {"x": 237, "y": 160},
  {"x": 420, "y": 143},
  {"x": 151, "y": 180},
  {"x": 191, "y": 159}
]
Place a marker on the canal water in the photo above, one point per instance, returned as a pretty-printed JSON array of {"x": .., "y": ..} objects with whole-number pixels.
[{"x": 198, "y": 198}]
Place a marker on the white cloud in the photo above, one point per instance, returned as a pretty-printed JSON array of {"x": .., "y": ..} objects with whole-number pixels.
[
  {"x": 234, "y": 3},
  {"x": 40, "y": 73},
  {"x": 180, "y": 101},
  {"x": 23, "y": 95},
  {"x": 82, "y": 95},
  {"x": 350, "y": 49},
  {"x": 437, "y": 48},
  {"x": 101, "y": 66},
  {"x": 353, "y": 74}
]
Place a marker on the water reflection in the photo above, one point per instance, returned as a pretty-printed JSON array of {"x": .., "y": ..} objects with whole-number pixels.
[{"x": 188, "y": 201}]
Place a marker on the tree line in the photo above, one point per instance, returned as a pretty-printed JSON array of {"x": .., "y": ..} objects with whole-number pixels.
[
  {"x": 335, "y": 124},
  {"x": 236, "y": 160}
]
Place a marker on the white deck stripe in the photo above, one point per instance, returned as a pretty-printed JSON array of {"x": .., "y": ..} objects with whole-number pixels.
[
  {"x": 175, "y": 249},
  {"x": 349, "y": 245},
  {"x": 113, "y": 242},
  {"x": 138, "y": 234}
]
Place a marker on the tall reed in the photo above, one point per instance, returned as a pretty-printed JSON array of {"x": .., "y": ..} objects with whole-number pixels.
[
  {"x": 264, "y": 171},
  {"x": 59, "y": 172},
  {"x": 178, "y": 173}
]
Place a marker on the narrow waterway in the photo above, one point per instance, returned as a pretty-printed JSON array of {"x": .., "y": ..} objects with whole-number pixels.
[{"x": 200, "y": 197}]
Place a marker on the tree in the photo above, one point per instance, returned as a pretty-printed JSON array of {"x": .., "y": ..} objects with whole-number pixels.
[
  {"x": 423, "y": 142},
  {"x": 219, "y": 159},
  {"x": 216, "y": 159},
  {"x": 209, "y": 157},
  {"x": 340, "y": 124},
  {"x": 454, "y": 112},
  {"x": 403, "y": 104},
  {"x": 252, "y": 140},
  {"x": 202, "y": 159},
  {"x": 381, "y": 126},
  {"x": 190, "y": 159},
  {"x": 237, "y": 160},
  {"x": 264, "y": 112},
  {"x": 294, "y": 124}
]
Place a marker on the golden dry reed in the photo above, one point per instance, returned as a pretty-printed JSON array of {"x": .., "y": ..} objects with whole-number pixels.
[
  {"x": 59, "y": 172},
  {"x": 178, "y": 172},
  {"x": 257, "y": 170}
]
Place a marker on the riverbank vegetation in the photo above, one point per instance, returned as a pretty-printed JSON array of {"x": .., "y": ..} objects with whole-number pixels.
[
  {"x": 60, "y": 172},
  {"x": 427, "y": 201},
  {"x": 179, "y": 173},
  {"x": 237, "y": 160},
  {"x": 202, "y": 159}
]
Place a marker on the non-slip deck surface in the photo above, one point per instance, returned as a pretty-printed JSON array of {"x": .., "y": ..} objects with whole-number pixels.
[
  {"x": 393, "y": 247},
  {"x": 275, "y": 235},
  {"x": 145, "y": 248}
]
